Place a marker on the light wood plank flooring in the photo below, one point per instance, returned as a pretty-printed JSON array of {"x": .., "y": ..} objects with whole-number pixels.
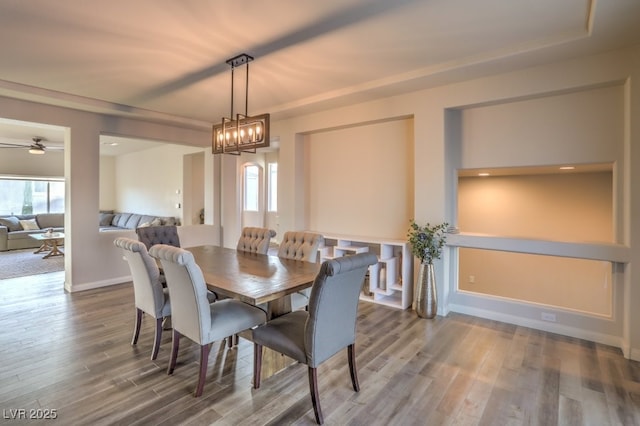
[{"x": 72, "y": 353}]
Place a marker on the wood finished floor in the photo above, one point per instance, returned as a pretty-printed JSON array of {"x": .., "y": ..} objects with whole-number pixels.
[{"x": 72, "y": 353}]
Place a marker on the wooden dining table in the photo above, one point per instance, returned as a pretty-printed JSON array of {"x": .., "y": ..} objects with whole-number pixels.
[{"x": 256, "y": 279}]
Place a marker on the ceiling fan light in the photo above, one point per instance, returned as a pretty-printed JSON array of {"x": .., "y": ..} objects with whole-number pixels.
[{"x": 36, "y": 150}]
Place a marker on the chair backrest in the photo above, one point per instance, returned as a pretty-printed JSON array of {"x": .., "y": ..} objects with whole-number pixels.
[
  {"x": 190, "y": 312},
  {"x": 147, "y": 288},
  {"x": 300, "y": 245},
  {"x": 152, "y": 235},
  {"x": 333, "y": 306},
  {"x": 255, "y": 240}
]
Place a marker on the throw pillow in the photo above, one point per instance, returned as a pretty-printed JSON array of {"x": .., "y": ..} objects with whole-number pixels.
[
  {"x": 106, "y": 218},
  {"x": 29, "y": 224},
  {"x": 120, "y": 219},
  {"x": 11, "y": 222},
  {"x": 156, "y": 222}
]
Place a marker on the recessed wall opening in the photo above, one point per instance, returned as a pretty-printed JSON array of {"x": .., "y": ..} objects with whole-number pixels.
[
  {"x": 550, "y": 203},
  {"x": 568, "y": 203},
  {"x": 580, "y": 285}
]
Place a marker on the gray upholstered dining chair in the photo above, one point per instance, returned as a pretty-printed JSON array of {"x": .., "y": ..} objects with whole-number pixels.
[
  {"x": 150, "y": 297},
  {"x": 255, "y": 240},
  {"x": 160, "y": 234},
  {"x": 164, "y": 234},
  {"x": 193, "y": 316},
  {"x": 300, "y": 245},
  {"x": 311, "y": 337}
]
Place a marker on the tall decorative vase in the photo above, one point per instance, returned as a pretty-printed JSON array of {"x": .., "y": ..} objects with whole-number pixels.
[{"x": 426, "y": 298}]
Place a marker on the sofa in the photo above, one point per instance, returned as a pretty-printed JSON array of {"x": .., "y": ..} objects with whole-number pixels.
[
  {"x": 114, "y": 221},
  {"x": 15, "y": 229}
]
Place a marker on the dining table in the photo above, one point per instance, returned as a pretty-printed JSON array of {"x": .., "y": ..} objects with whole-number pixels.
[{"x": 258, "y": 279}]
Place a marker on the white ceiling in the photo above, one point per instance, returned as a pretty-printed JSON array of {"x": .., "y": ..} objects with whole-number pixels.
[{"x": 165, "y": 59}]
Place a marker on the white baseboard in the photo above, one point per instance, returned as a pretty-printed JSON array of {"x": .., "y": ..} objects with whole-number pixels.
[
  {"x": 96, "y": 284},
  {"x": 564, "y": 330},
  {"x": 633, "y": 353}
]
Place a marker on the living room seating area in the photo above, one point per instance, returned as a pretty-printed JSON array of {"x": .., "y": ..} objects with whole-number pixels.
[{"x": 15, "y": 229}]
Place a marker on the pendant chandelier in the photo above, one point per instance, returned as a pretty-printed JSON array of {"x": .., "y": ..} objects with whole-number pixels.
[{"x": 241, "y": 133}]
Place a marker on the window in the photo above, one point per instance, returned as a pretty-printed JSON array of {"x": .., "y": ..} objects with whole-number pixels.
[
  {"x": 273, "y": 187},
  {"x": 31, "y": 196},
  {"x": 251, "y": 188}
]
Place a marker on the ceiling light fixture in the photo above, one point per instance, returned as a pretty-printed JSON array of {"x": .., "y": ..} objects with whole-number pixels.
[
  {"x": 38, "y": 150},
  {"x": 567, "y": 168},
  {"x": 242, "y": 133}
]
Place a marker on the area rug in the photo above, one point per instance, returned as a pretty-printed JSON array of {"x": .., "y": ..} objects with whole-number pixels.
[{"x": 20, "y": 263}]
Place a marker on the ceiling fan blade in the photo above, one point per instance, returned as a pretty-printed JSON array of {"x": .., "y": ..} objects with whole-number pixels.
[{"x": 12, "y": 145}]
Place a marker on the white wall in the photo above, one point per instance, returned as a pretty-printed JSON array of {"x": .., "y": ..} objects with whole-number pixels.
[
  {"x": 575, "y": 285},
  {"x": 193, "y": 188},
  {"x": 151, "y": 181},
  {"x": 271, "y": 218},
  {"x": 230, "y": 208},
  {"x": 360, "y": 180},
  {"x": 107, "y": 183},
  {"x": 583, "y": 126},
  {"x": 574, "y": 207},
  {"x": 18, "y": 162}
]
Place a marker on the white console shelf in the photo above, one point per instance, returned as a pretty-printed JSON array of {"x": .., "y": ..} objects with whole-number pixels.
[{"x": 391, "y": 279}]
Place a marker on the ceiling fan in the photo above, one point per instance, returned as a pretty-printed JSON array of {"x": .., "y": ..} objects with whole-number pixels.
[{"x": 37, "y": 147}]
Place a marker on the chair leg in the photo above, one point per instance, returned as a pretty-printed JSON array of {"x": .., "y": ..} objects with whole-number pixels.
[
  {"x": 175, "y": 343},
  {"x": 233, "y": 340},
  {"x": 315, "y": 397},
  {"x": 257, "y": 365},
  {"x": 204, "y": 360},
  {"x": 136, "y": 327},
  {"x": 157, "y": 339},
  {"x": 352, "y": 367}
]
